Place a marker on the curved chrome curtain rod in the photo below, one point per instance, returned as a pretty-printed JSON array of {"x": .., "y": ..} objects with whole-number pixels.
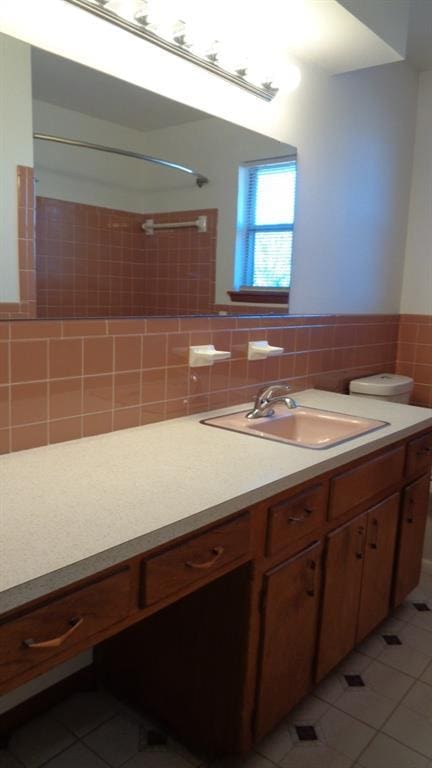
[{"x": 199, "y": 178}]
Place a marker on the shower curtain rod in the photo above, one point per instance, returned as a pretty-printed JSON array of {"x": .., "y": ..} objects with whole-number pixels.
[{"x": 200, "y": 180}]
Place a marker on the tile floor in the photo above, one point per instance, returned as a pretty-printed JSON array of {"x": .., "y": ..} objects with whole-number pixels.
[{"x": 374, "y": 711}]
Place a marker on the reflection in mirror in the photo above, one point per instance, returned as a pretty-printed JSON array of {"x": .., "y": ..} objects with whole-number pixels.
[{"x": 121, "y": 235}]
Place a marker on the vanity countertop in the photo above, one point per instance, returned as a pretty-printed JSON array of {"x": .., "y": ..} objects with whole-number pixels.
[{"x": 72, "y": 509}]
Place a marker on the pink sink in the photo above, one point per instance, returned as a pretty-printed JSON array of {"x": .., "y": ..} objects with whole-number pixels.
[{"x": 301, "y": 426}]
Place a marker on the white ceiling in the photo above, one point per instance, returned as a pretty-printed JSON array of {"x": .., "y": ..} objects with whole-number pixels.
[{"x": 72, "y": 86}]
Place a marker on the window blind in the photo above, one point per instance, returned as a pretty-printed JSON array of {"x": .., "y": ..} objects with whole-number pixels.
[{"x": 270, "y": 203}]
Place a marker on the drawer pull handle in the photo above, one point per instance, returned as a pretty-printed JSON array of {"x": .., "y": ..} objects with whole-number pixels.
[
  {"x": 424, "y": 451},
  {"x": 304, "y": 516},
  {"x": 312, "y": 570},
  {"x": 360, "y": 542},
  {"x": 217, "y": 552},
  {"x": 56, "y": 641},
  {"x": 375, "y": 532}
]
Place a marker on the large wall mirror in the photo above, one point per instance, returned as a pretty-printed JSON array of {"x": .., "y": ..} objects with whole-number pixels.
[{"x": 208, "y": 230}]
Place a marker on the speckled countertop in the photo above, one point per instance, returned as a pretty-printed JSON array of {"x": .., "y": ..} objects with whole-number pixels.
[{"x": 72, "y": 509}]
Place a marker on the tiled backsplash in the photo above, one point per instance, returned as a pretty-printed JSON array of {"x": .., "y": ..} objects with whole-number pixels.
[
  {"x": 61, "y": 380},
  {"x": 414, "y": 355},
  {"x": 26, "y": 307},
  {"x": 94, "y": 261}
]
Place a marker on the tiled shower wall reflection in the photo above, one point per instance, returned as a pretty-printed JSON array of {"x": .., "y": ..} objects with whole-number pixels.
[
  {"x": 61, "y": 380},
  {"x": 414, "y": 355},
  {"x": 26, "y": 307},
  {"x": 95, "y": 261}
]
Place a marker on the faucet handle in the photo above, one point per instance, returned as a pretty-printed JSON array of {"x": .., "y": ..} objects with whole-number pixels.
[{"x": 271, "y": 391}]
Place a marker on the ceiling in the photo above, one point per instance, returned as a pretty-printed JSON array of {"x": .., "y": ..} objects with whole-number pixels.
[
  {"x": 419, "y": 42},
  {"x": 72, "y": 86}
]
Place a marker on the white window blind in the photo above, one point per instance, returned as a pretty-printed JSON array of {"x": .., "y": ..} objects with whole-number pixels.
[{"x": 269, "y": 223}]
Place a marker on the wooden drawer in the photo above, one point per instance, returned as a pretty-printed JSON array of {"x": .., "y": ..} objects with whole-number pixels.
[
  {"x": 365, "y": 481},
  {"x": 195, "y": 559},
  {"x": 295, "y": 517},
  {"x": 419, "y": 455},
  {"x": 44, "y": 632}
]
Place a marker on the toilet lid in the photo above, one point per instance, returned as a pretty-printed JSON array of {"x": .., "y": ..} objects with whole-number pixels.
[{"x": 382, "y": 384}]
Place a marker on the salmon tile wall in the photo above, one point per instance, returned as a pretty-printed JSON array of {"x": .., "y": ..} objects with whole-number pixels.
[
  {"x": 414, "y": 355},
  {"x": 62, "y": 380},
  {"x": 94, "y": 261},
  {"x": 26, "y": 307}
]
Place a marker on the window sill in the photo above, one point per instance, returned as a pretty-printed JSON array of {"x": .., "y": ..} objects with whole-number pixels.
[{"x": 265, "y": 296}]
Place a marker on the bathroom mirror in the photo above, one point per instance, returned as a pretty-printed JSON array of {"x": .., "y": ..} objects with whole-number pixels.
[{"x": 93, "y": 257}]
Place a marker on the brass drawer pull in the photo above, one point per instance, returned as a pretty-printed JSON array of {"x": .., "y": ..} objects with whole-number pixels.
[
  {"x": 304, "y": 516},
  {"x": 217, "y": 552},
  {"x": 56, "y": 641}
]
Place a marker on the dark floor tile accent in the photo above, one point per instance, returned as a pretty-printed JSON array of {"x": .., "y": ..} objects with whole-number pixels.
[
  {"x": 306, "y": 733},
  {"x": 421, "y": 607},
  {"x": 354, "y": 681},
  {"x": 392, "y": 639}
]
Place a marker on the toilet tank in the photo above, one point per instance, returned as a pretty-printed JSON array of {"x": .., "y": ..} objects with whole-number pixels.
[{"x": 383, "y": 386}]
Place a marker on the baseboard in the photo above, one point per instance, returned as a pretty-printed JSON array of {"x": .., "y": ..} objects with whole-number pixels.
[{"x": 82, "y": 680}]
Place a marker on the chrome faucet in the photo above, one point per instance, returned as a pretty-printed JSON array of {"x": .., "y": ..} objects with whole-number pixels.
[{"x": 269, "y": 396}]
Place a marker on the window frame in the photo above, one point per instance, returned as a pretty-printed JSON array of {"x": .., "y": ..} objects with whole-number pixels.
[{"x": 247, "y": 230}]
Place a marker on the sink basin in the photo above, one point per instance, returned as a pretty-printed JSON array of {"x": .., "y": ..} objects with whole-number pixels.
[{"x": 302, "y": 426}]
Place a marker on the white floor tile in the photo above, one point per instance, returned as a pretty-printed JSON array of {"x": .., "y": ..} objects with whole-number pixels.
[
  {"x": 354, "y": 664},
  {"x": 317, "y": 756},
  {"x": 427, "y": 675},
  {"x": 83, "y": 712},
  {"x": 366, "y": 705},
  {"x": 404, "y": 658},
  {"x": 167, "y": 760},
  {"x": 411, "y": 729},
  {"x": 343, "y": 733},
  {"x": 419, "y": 639},
  {"x": 384, "y": 752},
  {"x": 39, "y": 740},
  {"x": 331, "y": 688},
  {"x": 308, "y": 711},
  {"x": 277, "y": 744},
  {"x": 252, "y": 760},
  {"x": 8, "y": 761},
  {"x": 77, "y": 756},
  {"x": 387, "y": 681},
  {"x": 115, "y": 741},
  {"x": 419, "y": 699}
]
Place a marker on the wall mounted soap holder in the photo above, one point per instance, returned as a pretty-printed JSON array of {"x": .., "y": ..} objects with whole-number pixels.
[
  {"x": 206, "y": 354},
  {"x": 259, "y": 350}
]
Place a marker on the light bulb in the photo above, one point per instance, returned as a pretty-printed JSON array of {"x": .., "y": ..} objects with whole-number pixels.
[
  {"x": 142, "y": 14},
  {"x": 179, "y": 34}
]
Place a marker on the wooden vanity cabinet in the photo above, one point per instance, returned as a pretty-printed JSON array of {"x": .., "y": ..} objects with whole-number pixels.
[
  {"x": 345, "y": 549},
  {"x": 289, "y": 606},
  {"x": 358, "y": 581},
  {"x": 411, "y": 535},
  {"x": 379, "y": 555},
  {"x": 222, "y": 631}
]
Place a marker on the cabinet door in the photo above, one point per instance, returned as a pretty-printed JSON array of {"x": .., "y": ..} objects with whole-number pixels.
[
  {"x": 411, "y": 536},
  {"x": 342, "y": 585},
  {"x": 290, "y": 619},
  {"x": 382, "y": 525}
]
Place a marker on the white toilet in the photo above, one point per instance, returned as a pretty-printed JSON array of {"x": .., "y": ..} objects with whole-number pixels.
[{"x": 383, "y": 386}]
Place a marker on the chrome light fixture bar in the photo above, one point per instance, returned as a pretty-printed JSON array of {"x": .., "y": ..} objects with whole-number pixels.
[
  {"x": 199, "y": 178},
  {"x": 178, "y": 46}
]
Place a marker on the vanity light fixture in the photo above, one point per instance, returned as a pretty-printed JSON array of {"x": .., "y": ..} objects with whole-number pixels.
[{"x": 139, "y": 17}]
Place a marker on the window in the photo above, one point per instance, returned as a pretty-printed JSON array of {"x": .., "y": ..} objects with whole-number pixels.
[{"x": 265, "y": 225}]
